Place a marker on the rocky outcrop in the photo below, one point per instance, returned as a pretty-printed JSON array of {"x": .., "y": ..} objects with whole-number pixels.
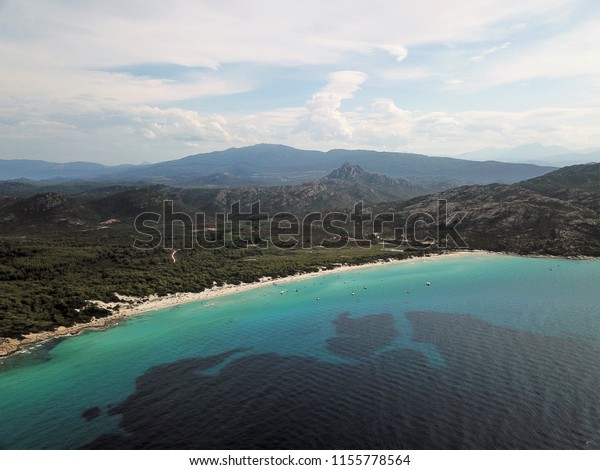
[{"x": 522, "y": 218}]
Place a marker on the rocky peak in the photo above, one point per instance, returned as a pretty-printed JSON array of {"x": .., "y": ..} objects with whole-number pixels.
[{"x": 347, "y": 172}]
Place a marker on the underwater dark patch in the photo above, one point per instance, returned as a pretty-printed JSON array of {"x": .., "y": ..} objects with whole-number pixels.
[{"x": 500, "y": 389}]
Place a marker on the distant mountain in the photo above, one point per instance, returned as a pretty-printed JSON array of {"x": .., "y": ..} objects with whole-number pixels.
[
  {"x": 278, "y": 161},
  {"x": 277, "y": 164},
  {"x": 569, "y": 159},
  {"x": 530, "y": 151},
  {"x": 239, "y": 174},
  {"x": 42, "y": 170},
  {"x": 266, "y": 161},
  {"x": 536, "y": 154}
]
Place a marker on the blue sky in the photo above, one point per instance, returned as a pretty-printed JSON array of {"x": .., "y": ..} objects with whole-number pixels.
[{"x": 132, "y": 81}]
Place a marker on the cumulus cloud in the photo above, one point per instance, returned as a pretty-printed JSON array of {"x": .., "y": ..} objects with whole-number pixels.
[
  {"x": 180, "y": 124},
  {"x": 386, "y": 123},
  {"x": 344, "y": 83},
  {"x": 323, "y": 120},
  {"x": 445, "y": 133},
  {"x": 387, "y": 126},
  {"x": 166, "y": 132}
]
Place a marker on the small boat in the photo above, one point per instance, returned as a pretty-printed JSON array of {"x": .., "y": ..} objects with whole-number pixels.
[{"x": 428, "y": 283}]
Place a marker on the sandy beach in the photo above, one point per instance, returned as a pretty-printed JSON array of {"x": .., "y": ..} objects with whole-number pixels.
[{"x": 130, "y": 306}]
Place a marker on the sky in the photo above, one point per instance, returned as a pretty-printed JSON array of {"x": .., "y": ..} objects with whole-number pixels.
[{"x": 131, "y": 81}]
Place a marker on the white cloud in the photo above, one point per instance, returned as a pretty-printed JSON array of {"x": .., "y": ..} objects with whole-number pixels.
[
  {"x": 448, "y": 133},
  {"x": 405, "y": 74},
  {"x": 489, "y": 51},
  {"x": 69, "y": 74},
  {"x": 34, "y": 76},
  {"x": 323, "y": 120},
  {"x": 568, "y": 54},
  {"x": 115, "y": 33},
  {"x": 387, "y": 126},
  {"x": 397, "y": 50},
  {"x": 169, "y": 132},
  {"x": 183, "y": 125},
  {"x": 344, "y": 83}
]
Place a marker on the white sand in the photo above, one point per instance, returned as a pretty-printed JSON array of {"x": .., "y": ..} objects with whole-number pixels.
[{"x": 129, "y": 306}]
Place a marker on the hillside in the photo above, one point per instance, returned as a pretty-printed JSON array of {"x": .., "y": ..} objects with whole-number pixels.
[
  {"x": 579, "y": 184},
  {"x": 555, "y": 214},
  {"x": 89, "y": 209}
]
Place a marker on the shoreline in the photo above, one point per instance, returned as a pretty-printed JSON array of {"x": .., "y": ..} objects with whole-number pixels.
[{"x": 133, "y": 306}]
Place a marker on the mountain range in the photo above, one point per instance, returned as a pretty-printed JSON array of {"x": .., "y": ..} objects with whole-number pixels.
[
  {"x": 56, "y": 211},
  {"x": 557, "y": 213},
  {"x": 266, "y": 164}
]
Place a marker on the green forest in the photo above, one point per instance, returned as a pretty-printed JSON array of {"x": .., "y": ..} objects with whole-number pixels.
[{"x": 47, "y": 284}]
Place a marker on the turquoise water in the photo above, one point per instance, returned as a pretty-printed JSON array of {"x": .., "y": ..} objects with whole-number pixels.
[{"x": 45, "y": 391}]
